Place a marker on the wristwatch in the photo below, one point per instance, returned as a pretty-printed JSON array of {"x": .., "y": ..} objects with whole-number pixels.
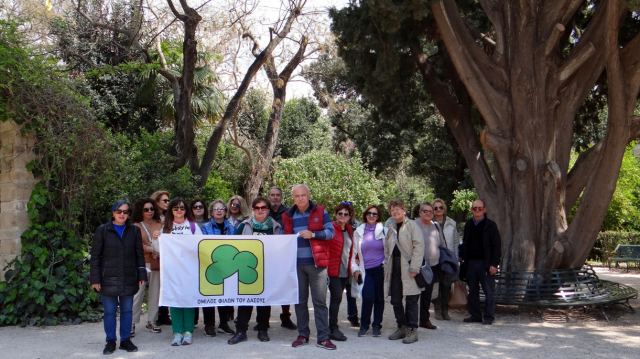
[{"x": 313, "y": 234}]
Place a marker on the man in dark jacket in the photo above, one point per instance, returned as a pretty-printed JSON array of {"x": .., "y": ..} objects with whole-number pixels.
[
  {"x": 117, "y": 271},
  {"x": 481, "y": 251}
]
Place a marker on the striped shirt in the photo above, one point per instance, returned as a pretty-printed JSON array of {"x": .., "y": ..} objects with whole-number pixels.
[{"x": 300, "y": 223}]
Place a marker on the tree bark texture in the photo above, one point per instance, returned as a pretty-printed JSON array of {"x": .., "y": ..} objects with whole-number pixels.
[{"x": 528, "y": 95}]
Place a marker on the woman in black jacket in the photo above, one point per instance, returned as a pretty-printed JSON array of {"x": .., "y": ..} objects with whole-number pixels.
[{"x": 117, "y": 271}]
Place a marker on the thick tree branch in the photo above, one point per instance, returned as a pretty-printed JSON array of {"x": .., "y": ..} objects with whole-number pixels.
[
  {"x": 600, "y": 187},
  {"x": 485, "y": 81},
  {"x": 631, "y": 65},
  {"x": 558, "y": 12},
  {"x": 457, "y": 117},
  {"x": 175, "y": 12}
]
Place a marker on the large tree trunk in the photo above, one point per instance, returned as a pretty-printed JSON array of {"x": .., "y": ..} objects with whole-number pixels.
[
  {"x": 528, "y": 96},
  {"x": 260, "y": 168}
]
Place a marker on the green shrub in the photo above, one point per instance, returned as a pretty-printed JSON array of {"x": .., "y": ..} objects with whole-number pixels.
[{"x": 331, "y": 177}]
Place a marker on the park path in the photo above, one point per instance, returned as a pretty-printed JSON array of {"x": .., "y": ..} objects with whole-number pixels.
[{"x": 516, "y": 334}]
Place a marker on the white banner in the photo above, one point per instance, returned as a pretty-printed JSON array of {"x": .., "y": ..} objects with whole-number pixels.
[{"x": 209, "y": 271}]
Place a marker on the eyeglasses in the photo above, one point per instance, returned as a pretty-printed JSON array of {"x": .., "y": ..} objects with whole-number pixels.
[
  {"x": 119, "y": 211},
  {"x": 219, "y": 209},
  {"x": 345, "y": 214},
  {"x": 148, "y": 209},
  {"x": 198, "y": 206},
  {"x": 178, "y": 208},
  {"x": 438, "y": 208},
  {"x": 476, "y": 209},
  {"x": 372, "y": 214},
  {"x": 426, "y": 211},
  {"x": 346, "y": 203},
  {"x": 166, "y": 200},
  {"x": 261, "y": 208}
]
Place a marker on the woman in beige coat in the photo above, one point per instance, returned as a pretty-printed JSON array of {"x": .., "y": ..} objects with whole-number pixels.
[{"x": 404, "y": 252}]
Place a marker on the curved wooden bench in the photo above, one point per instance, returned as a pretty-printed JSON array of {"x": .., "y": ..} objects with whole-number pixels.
[{"x": 560, "y": 289}]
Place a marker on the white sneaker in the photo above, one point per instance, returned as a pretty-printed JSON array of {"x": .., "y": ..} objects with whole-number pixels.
[
  {"x": 177, "y": 339},
  {"x": 187, "y": 339}
]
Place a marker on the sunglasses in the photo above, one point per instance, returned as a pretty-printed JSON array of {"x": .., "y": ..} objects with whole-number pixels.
[
  {"x": 261, "y": 208},
  {"x": 198, "y": 206},
  {"x": 148, "y": 209},
  {"x": 345, "y": 214},
  {"x": 438, "y": 208},
  {"x": 235, "y": 205},
  {"x": 219, "y": 209},
  {"x": 177, "y": 208},
  {"x": 119, "y": 211},
  {"x": 372, "y": 214},
  {"x": 476, "y": 209},
  {"x": 165, "y": 200}
]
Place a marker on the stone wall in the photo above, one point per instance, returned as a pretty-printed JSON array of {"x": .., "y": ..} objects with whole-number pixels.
[{"x": 16, "y": 183}]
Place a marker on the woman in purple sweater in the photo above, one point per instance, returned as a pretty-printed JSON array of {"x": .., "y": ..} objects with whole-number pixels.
[{"x": 367, "y": 264}]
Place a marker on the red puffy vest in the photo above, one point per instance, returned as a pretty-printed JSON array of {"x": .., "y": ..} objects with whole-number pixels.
[{"x": 319, "y": 247}]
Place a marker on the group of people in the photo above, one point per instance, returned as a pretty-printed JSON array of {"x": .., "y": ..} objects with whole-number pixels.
[{"x": 369, "y": 259}]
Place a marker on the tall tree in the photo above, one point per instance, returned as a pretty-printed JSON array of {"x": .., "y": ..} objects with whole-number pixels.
[{"x": 528, "y": 68}]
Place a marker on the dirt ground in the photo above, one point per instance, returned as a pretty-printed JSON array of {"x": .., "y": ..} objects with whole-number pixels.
[{"x": 515, "y": 334}]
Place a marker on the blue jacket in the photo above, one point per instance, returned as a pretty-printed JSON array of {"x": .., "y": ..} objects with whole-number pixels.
[{"x": 210, "y": 228}]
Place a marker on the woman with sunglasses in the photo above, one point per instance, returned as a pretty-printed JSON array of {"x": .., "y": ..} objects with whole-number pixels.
[
  {"x": 146, "y": 217},
  {"x": 199, "y": 212},
  {"x": 117, "y": 271},
  {"x": 179, "y": 221},
  {"x": 338, "y": 270},
  {"x": 217, "y": 225},
  {"x": 452, "y": 239},
  {"x": 368, "y": 267},
  {"x": 237, "y": 210},
  {"x": 260, "y": 223}
]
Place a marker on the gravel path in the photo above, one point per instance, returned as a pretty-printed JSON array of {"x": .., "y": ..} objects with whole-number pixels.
[{"x": 515, "y": 334}]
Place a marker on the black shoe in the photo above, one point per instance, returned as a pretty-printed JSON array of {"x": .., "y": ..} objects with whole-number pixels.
[
  {"x": 362, "y": 332},
  {"x": 237, "y": 338},
  {"x": 487, "y": 321},
  {"x": 128, "y": 346},
  {"x": 210, "y": 330},
  {"x": 263, "y": 336},
  {"x": 428, "y": 325},
  {"x": 109, "y": 348},
  {"x": 354, "y": 322},
  {"x": 287, "y": 323},
  {"x": 225, "y": 328},
  {"x": 336, "y": 334},
  {"x": 472, "y": 320},
  {"x": 376, "y": 332}
]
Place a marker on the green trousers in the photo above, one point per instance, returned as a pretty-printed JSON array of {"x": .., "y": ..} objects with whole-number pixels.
[{"x": 182, "y": 319}]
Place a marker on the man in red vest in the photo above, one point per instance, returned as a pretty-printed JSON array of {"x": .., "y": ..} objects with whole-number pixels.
[{"x": 313, "y": 226}]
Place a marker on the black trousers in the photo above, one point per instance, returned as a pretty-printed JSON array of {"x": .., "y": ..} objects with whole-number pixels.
[
  {"x": 209, "y": 315},
  {"x": 477, "y": 276},
  {"x": 407, "y": 314},
  {"x": 244, "y": 315},
  {"x": 336, "y": 287},
  {"x": 443, "y": 295}
]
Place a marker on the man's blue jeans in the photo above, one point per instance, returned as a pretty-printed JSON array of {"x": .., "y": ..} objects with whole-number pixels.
[
  {"x": 110, "y": 305},
  {"x": 314, "y": 279}
]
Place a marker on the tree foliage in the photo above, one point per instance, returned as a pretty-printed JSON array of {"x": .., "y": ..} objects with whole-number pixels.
[{"x": 332, "y": 178}]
